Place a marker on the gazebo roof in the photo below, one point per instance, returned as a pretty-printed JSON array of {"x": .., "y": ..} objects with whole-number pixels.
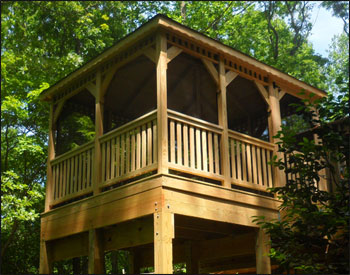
[{"x": 188, "y": 40}]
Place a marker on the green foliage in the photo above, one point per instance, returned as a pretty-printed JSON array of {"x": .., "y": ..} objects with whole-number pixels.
[{"x": 312, "y": 232}]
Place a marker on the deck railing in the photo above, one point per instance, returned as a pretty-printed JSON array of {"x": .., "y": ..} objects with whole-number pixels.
[
  {"x": 194, "y": 146},
  {"x": 249, "y": 159},
  {"x": 73, "y": 173},
  {"x": 130, "y": 150}
]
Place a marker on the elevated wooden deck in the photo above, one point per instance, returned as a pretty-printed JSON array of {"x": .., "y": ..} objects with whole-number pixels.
[{"x": 129, "y": 153}]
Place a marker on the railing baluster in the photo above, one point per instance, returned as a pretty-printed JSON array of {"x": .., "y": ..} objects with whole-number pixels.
[
  {"x": 172, "y": 141},
  {"x": 179, "y": 143},
  {"x": 210, "y": 152},
  {"x": 149, "y": 143},
  {"x": 192, "y": 148},
  {"x": 185, "y": 144},
  {"x": 255, "y": 168},
  {"x": 198, "y": 149},
  {"x": 143, "y": 145}
]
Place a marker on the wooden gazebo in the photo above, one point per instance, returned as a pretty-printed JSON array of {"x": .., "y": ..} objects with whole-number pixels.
[{"x": 171, "y": 161}]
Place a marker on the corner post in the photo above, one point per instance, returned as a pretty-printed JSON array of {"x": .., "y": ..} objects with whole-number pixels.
[
  {"x": 162, "y": 116},
  {"x": 98, "y": 133},
  {"x": 51, "y": 156},
  {"x": 275, "y": 125},
  {"x": 45, "y": 258},
  {"x": 96, "y": 252},
  {"x": 222, "y": 116},
  {"x": 164, "y": 233},
  {"x": 263, "y": 263}
]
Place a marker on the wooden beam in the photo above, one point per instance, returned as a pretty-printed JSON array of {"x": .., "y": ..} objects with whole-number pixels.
[
  {"x": 162, "y": 116},
  {"x": 212, "y": 70},
  {"x": 96, "y": 252},
  {"x": 263, "y": 92},
  {"x": 230, "y": 76},
  {"x": 222, "y": 115},
  {"x": 91, "y": 88},
  {"x": 172, "y": 53},
  {"x": 151, "y": 54},
  {"x": 46, "y": 266},
  {"x": 163, "y": 238},
  {"x": 129, "y": 234},
  {"x": 76, "y": 245},
  {"x": 263, "y": 264}
]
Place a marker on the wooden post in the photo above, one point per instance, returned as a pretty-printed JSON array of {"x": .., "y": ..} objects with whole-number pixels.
[
  {"x": 96, "y": 252},
  {"x": 45, "y": 258},
  {"x": 275, "y": 125},
  {"x": 51, "y": 156},
  {"x": 222, "y": 116},
  {"x": 98, "y": 133},
  {"x": 263, "y": 264},
  {"x": 163, "y": 242},
  {"x": 192, "y": 262},
  {"x": 162, "y": 116}
]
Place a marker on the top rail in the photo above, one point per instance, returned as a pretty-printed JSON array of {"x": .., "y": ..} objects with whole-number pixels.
[{"x": 251, "y": 140}]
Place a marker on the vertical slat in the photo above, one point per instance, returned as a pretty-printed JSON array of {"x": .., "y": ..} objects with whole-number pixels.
[
  {"x": 122, "y": 154},
  {"x": 53, "y": 167},
  {"x": 259, "y": 166},
  {"x": 138, "y": 148},
  {"x": 68, "y": 177},
  {"x": 198, "y": 149},
  {"x": 239, "y": 161},
  {"x": 144, "y": 145},
  {"x": 60, "y": 185},
  {"x": 117, "y": 156},
  {"x": 64, "y": 178},
  {"x": 185, "y": 145},
  {"x": 192, "y": 154},
  {"x": 210, "y": 151},
  {"x": 79, "y": 172},
  {"x": 216, "y": 154},
  {"x": 255, "y": 168},
  {"x": 204, "y": 147},
  {"x": 103, "y": 156},
  {"x": 108, "y": 161},
  {"x": 263, "y": 153},
  {"x": 133, "y": 152},
  {"x": 249, "y": 164},
  {"x": 88, "y": 176},
  {"x": 76, "y": 186},
  {"x": 172, "y": 141},
  {"x": 244, "y": 162},
  {"x": 179, "y": 143},
  {"x": 93, "y": 170},
  {"x": 269, "y": 169},
  {"x": 233, "y": 158},
  {"x": 149, "y": 143},
  {"x": 84, "y": 169},
  {"x": 127, "y": 152},
  {"x": 155, "y": 147},
  {"x": 113, "y": 158},
  {"x": 71, "y": 175}
]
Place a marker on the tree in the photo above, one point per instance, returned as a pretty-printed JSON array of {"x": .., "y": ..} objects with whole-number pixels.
[{"x": 312, "y": 234}]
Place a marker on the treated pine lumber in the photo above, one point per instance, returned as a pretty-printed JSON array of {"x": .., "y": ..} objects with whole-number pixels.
[
  {"x": 164, "y": 233},
  {"x": 91, "y": 88},
  {"x": 96, "y": 252},
  {"x": 173, "y": 52},
  {"x": 150, "y": 53},
  {"x": 96, "y": 212},
  {"x": 230, "y": 76},
  {"x": 57, "y": 112},
  {"x": 70, "y": 247},
  {"x": 162, "y": 118},
  {"x": 263, "y": 92},
  {"x": 211, "y": 69},
  {"x": 251, "y": 140},
  {"x": 213, "y": 191},
  {"x": 129, "y": 234},
  {"x": 51, "y": 155},
  {"x": 263, "y": 264}
]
